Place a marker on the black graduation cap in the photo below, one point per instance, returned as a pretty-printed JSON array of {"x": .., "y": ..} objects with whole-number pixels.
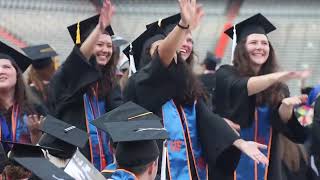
[
  {"x": 139, "y": 45},
  {"x": 42, "y": 168},
  {"x": 7, "y": 52},
  {"x": 166, "y": 24},
  {"x": 27, "y": 150},
  {"x": 125, "y": 112},
  {"x": 41, "y": 55},
  {"x": 257, "y": 24},
  {"x": 135, "y": 130},
  {"x": 136, "y": 141},
  {"x": 63, "y": 136},
  {"x": 81, "y": 30}
]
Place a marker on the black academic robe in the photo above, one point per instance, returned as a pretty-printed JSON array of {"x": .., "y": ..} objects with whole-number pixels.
[
  {"x": 67, "y": 87},
  {"x": 152, "y": 86},
  {"x": 39, "y": 97},
  {"x": 235, "y": 104},
  {"x": 209, "y": 82},
  {"x": 316, "y": 133}
]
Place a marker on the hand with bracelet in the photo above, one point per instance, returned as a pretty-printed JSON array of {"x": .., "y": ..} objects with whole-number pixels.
[{"x": 191, "y": 14}]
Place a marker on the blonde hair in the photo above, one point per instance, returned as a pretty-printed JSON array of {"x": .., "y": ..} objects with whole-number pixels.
[{"x": 37, "y": 76}]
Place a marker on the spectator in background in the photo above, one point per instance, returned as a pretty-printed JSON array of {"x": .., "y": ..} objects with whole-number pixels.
[
  {"x": 208, "y": 77},
  {"x": 42, "y": 69}
]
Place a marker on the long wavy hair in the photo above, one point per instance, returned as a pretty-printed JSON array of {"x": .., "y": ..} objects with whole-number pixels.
[
  {"x": 22, "y": 94},
  {"x": 242, "y": 63},
  {"x": 290, "y": 153},
  {"x": 108, "y": 71}
]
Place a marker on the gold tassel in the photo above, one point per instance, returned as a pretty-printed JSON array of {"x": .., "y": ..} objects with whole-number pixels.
[{"x": 78, "y": 40}]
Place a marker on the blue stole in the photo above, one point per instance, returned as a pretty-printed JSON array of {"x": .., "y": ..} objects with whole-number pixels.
[
  {"x": 112, "y": 166},
  {"x": 98, "y": 141},
  {"x": 121, "y": 174},
  {"x": 261, "y": 132},
  {"x": 17, "y": 131},
  {"x": 177, "y": 155}
]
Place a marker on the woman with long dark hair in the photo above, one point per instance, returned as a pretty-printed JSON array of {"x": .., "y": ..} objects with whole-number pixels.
[
  {"x": 251, "y": 93},
  {"x": 166, "y": 85},
  {"x": 19, "y": 117},
  {"x": 84, "y": 87}
]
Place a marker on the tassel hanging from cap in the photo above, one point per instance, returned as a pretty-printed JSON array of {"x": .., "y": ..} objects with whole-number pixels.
[
  {"x": 234, "y": 42},
  {"x": 78, "y": 40},
  {"x": 132, "y": 66}
]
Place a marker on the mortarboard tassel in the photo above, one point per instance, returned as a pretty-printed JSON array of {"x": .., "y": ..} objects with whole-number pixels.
[
  {"x": 234, "y": 42},
  {"x": 78, "y": 41},
  {"x": 164, "y": 161},
  {"x": 132, "y": 66},
  {"x": 159, "y": 22}
]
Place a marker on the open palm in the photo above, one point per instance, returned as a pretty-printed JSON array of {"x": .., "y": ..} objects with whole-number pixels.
[
  {"x": 106, "y": 14},
  {"x": 191, "y": 12}
]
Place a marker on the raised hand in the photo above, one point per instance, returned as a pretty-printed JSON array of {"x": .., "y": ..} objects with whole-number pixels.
[
  {"x": 34, "y": 122},
  {"x": 106, "y": 14},
  {"x": 191, "y": 13}
]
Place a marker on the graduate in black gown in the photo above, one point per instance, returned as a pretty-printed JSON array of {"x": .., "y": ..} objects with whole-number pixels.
[
  {"x": 135, "y": 130},
  {"x": 42, "y": 69},
  {"x": 251, "y": 93},
  {"x": 167, "y": 86},
  {"x": 20, "y": 114},
  {"x": 84, "y": 86}
]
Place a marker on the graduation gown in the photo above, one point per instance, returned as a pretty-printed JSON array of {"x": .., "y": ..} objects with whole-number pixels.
[
  {"x": 209, "y": 82},
  {"x": 154, "y": 85},
  {"x": 67, "y": 87},
  {"x": 236, "y": 105},
  {"x": 41, "y": 100},
  {"x": 315, "y": 148}
]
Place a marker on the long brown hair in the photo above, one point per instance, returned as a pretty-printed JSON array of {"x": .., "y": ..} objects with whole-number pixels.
[
  {"x": 108, "y": 80},
  {"x": 22, "y": 94},
  {"x": 37, "y": 76},
  {"x": 290, "y": 152},
  {"x": 242, "y": 62},
  {"x": 191, "y": 88}
]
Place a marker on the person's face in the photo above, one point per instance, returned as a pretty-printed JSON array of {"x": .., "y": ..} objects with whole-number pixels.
[
  {"x": 257, "y": 46},
  {"x": 187, "y": 46},
  {"x": 103, "y": 49},
  {"x": 8, "y": 74}
]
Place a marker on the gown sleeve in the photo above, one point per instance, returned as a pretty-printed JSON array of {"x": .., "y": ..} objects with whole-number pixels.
[
  {"x": 114, "y": 98},
  {"x": 232, "y": 99},
  {"x": 316, "y": 127},
  {"x": 151, "y": 86},
  {"x": 214, "y": 133},
  {"x": 70, "y": 80},
  {"x": 292, "y": 129}
]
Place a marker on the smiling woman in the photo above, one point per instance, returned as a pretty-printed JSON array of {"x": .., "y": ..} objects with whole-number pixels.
[
  {"x": 252, "y": 94},
  {"x": 19, "y": 116},
  {"x": 84, "y": 87}
]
